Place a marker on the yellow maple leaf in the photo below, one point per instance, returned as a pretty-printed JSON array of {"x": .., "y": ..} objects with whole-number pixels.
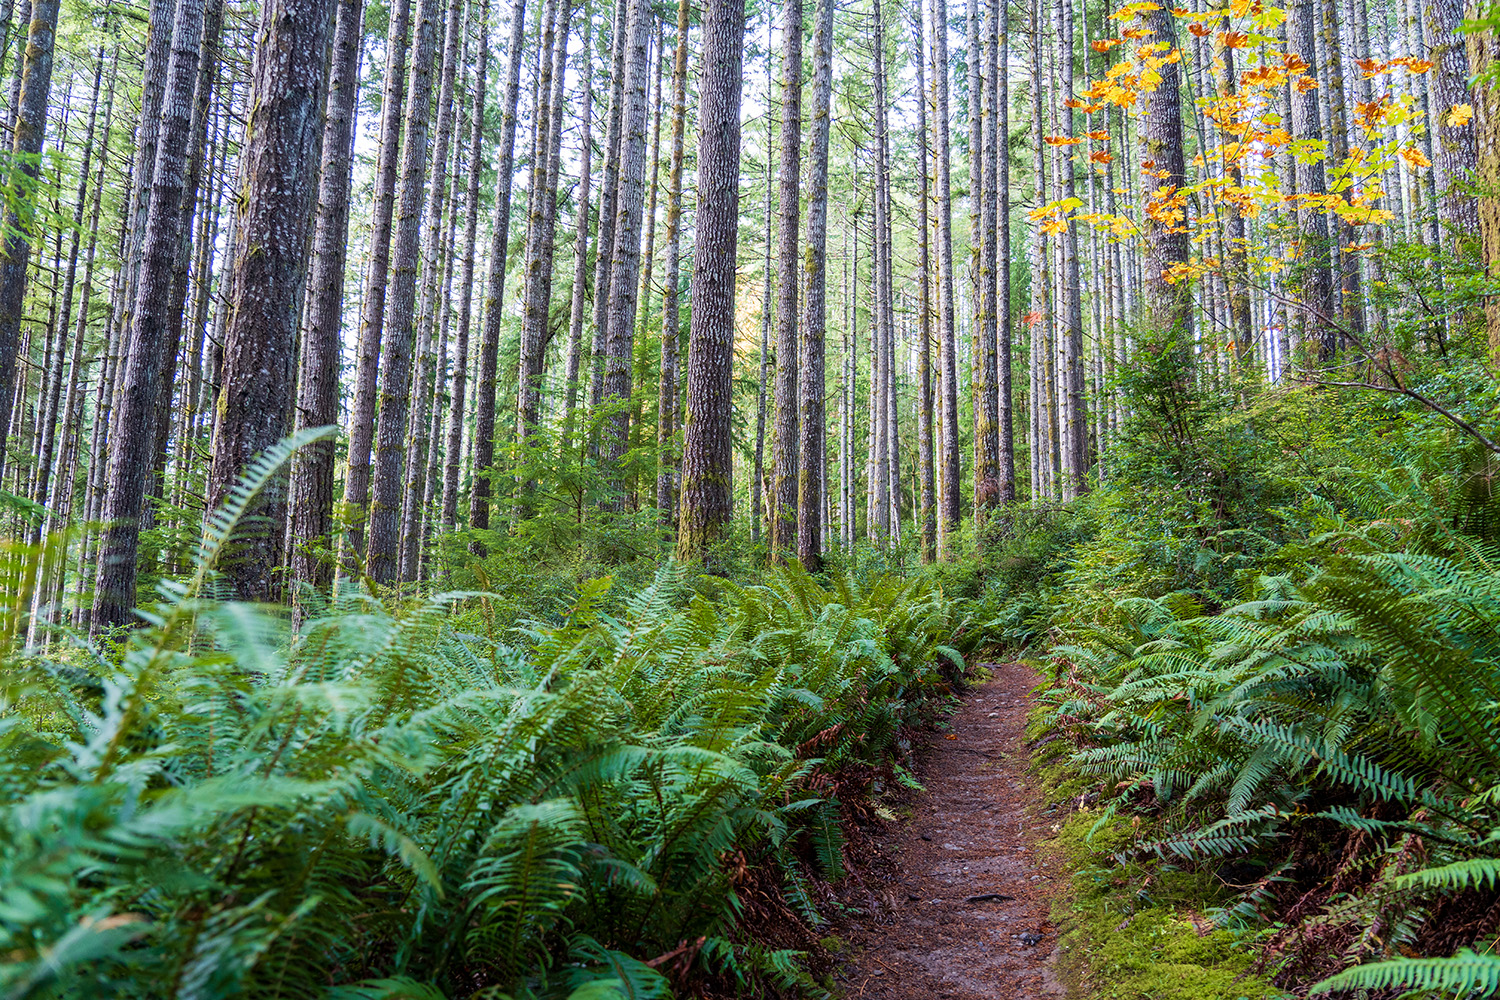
[
  {"x": 1458, "y": 116},
  {"x": 1415, "y": 158}
]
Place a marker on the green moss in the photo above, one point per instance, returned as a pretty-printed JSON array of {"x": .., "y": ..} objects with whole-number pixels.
[{"x": 1135, "y": 931}]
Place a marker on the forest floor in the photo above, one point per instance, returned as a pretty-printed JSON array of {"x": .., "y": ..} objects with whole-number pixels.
[{"x": 955, "y": 901}]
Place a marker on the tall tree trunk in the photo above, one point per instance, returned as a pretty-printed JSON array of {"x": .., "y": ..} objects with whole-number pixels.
[
  {"x": 609, "y": 192},
  {"x": 131, "y": 442},
  {"x": 282, "y": 150},
  {"x": 381, "y": 560},
  {"x": 311, "y": 502},
  {"x": 758, "y": 480},
  {"x": 785, "y": 438},
  {"x": 434, "y": 256},
  {"x": 452, "y": 453},
  {"x": 373, "y": 295},
  {"x": 1337, "y": 131},
  {"x": 1317, "y": 281},
  {"x": 580, "y": 236},
  {"x": 983, "y": 464},
  {"x": 619, "y": 342},
  {"x": 949, "y": 474},
  {"x": 986, "y": 357},
  {"x": 1484, "y": 53},
  {"x": 1004, "y": 333},
  {"x": 1454, "y": 153},
  {"x": 667, "y": 416},
  {"x": 494, "y": 300},
  {"x": 926, "y": 513},
  {"x": 707, "y": 460},
  {"x": 813, "y": 423},
  {"x": 26, "y": 149},
  {"x": 1167, "y": 302},
  {"x": 1074, "y": 415}
]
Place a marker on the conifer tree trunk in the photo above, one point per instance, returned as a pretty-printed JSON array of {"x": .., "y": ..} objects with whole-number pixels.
[
  {"x": 758, "y": 481},
  {"x": 580, "y": 235},
  {"x": 1004, "y": 333},
  {"x": 926, "y": 512},
  {"x": 813, "y": 462},
  {"x": 132, "y": 437},
  {"x": 311, "y": 500},
  {"x": 282, "y": 151},
  {"x": 453, "y": 450},
  {"x": 667, "y": 416},
  {"x": 785, "y": 438},
  {"x": 983, "y": 464},
  {"x": 26, "y": 148},
  {"x": 986, "y": 357},
  {"x": 1070, "y": 333},
  {"x": 373, "y": 294},
  {"x": 1167, "y": 303},
  {"x": 434, "y": 256},
  {"x": 1237, "y": 257},
  {"x": 382, "y": 558},
  {"x": 609, "y": 192},
  {"x": 1317, "y": 282},
  {"x": 1352, "y": 309},
  {"x": 537, "y": 294},
  {"x": 619, "y": 342},
  {"x": 949, "y": 472},
  {"x": 707, "y": 460},
  {"x": 1454, "y": 153},
  {"x": 494, "y": 299},
  {"x": 1483, "y": 52}
]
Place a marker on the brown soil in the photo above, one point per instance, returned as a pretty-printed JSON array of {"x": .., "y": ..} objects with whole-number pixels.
[{"x": 955, "y": 901}]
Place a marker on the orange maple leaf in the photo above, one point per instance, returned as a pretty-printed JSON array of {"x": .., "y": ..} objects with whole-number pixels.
[{"x": 1199, "y": 31}]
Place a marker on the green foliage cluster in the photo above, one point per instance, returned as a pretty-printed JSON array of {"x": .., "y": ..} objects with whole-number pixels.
[
  {"x": 1283, "y": 677},
  {"x": 394, "y": 803}
]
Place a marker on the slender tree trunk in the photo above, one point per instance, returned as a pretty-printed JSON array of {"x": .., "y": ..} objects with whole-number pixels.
[
  {"x": 813, "y": 424},
  {"x": 311, "y": 502},
  {"x": 494, "y": 301},
  {"x": 785, "y": 438},
  {"x": 707, "y": 461},
  {"x": 1317, "y": 281},
  {"x": 381, "y": 561},
  {"x": 1004, "y": 331},
  {"x": 580, "y": 236},
  {"x": 1352, "y": 308},
  {"x": 950, "y": 474},
  {"x": 619, "y": 342},
  {"x": 434, "y": 255},
  {"x": 986, "y": 358},
  {"x": 373, "y": 295},
  {"x": 926, "y": 514},
  {"x": 26, "y": 148},
  {"x": 667, "y": 416},
  {"x": 609, "y": 192},
  {"x": 758, "y": 482},
  {"x": 983, "y": 463},
  {"x": 131, "y": 442}
]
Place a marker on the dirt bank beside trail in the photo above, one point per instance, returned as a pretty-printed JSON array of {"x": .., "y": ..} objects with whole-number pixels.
[{"x": 955, "y": 902}]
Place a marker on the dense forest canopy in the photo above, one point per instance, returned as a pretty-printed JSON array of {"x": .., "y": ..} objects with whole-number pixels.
[{"x": 491, "y": 487}]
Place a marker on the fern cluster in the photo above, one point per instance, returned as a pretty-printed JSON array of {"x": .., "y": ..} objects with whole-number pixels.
[
  {"x": 392, "y": 805},
  {"x": 1360, "y": 694}
]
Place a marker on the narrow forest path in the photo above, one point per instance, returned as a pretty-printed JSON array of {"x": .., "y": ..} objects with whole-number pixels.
[{"x": 955, "y": 903}]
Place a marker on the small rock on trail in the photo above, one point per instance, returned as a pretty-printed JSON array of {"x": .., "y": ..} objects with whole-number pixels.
[{"x": 955, "y": 903}]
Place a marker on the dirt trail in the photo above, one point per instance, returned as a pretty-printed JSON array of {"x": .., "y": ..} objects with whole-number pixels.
[{"x": 955, "y": 905}]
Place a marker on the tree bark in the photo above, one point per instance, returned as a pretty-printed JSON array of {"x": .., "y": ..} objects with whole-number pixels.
[
  {"x": 926, "y": 512},
  {"x": 373, "y": 295},
  {"x": 666, "y": 420},
  {"x": 784, "y": 437},
  {"x": 381, "y": 561},
  {"x": 580, "y": 237},
  {"x": 284, "y": 136},
  {"x": 494, "y": 300},
  {"x": 1167, "y": 302},
  {"x": 131, "y": 442},
  {"x": 1454, "y": 153},
  {"x": 949, "y": 471},
  {"x": 813, "y": 425},
  {"x": 707, "y": 461},
  {"x": 311, "y": 502},
  {"x": 1317, "y": 280}
]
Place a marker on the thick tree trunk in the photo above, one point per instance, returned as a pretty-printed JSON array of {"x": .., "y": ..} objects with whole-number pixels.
[
  {"x": 1074, "y": 416},
  {"x": 1483, "y": 53},
  {"x": 667, "y": 392},
  {"x": 986, "y": 357},
  {"x": 494, "y": 300},
  {"x": 1004, "y": 333},
  {"x": 26, "y": 148},
  {"x": 1454, "y": 153},
  {"x": 813, "y": 425},
  {"x": 1317, "y": 281},
  {"x": 1167, "y": 302},
  {"x": 373, "y": 295},
  {"x": 784, "y": 438},
  {"x": 132, "y": 438},
  {"x": 282, "y": 150},
  {"x": 979, "y": 390},
  {"x": 758, "y": 480},
  {"x": 381, "y": 561},
  {"x": 311, "y": 502},
  {"x": 1337, "y": 131},
  {"x": 609, "y": 193},
  {"x": 707, "y": 461}
]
